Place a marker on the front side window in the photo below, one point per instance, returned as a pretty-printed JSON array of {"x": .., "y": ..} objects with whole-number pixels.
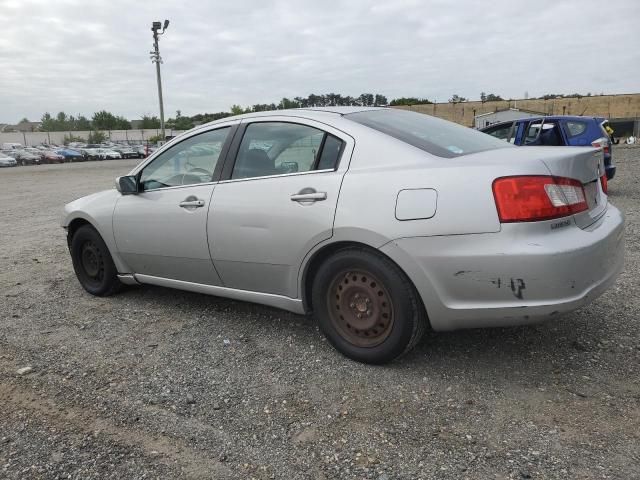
[
  {"x": 433, "y": 135},
  {"x": 190, "y": 162},
  {"x": 276, "y": 148}
]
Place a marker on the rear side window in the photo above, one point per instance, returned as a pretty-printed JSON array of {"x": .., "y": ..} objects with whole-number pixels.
[
  {"x": 575, "y": 128},
  {"x": 433, "y": 135},
  {"x": 330, "y": 153}
]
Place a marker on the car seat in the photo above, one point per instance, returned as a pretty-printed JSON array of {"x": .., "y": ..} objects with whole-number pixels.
[
  {"x": 255, "y": 163},
  {"x": 550, "y": 137}
]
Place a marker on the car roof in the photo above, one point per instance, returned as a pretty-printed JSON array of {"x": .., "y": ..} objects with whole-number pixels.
[
  {"x": 545, "y": 118},
  {"x": 312, "y": 113}
]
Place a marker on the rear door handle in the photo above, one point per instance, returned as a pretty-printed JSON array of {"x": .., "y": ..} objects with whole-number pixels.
[
  {"x": 192, "y": 203},
  {"x": 309, "y": 195}
]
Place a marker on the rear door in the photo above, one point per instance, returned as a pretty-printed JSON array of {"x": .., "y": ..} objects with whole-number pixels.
[{"x": 276, "y": 200}]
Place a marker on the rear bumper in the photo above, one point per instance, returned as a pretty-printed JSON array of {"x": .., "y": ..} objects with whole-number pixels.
[
  {"x": 611, "y": 171},
  {"x": 522, "y": 274}
]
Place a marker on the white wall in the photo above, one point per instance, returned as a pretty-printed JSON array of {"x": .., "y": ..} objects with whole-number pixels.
[{"x": 36, "y": 138}]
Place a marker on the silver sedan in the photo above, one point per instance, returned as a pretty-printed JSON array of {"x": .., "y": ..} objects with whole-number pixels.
[{"x": 381, "y": 222}]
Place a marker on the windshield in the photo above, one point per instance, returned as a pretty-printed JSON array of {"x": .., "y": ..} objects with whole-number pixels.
[{"x": 433, "y": 135}]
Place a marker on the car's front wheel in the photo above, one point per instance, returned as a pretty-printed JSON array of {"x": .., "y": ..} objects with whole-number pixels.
[
  {"x": 92, "y": 262},
  {"x": 367, "y": 307}
]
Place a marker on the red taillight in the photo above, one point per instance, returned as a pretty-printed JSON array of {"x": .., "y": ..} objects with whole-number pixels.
[
  {"x": 603, "y": 182},
  {"x": 536, "y": 198}
]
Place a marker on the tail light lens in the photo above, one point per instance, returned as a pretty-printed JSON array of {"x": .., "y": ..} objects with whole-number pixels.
[
  {"x": 536, "y": 198},
  {"x": 603, "y": 182}
]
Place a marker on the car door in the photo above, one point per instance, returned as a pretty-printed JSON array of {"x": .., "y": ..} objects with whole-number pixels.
[
  {"x": 275, "y": 201},
  {"x": 161, "y": 231}
]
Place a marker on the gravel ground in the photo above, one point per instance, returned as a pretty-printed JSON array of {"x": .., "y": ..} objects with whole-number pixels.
[{"x": 155, "y": 383}]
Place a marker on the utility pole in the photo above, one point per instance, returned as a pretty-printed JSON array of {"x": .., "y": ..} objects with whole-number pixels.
[{"x": 157, "y": 59}]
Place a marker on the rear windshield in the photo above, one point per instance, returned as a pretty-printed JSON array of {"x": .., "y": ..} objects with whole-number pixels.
[{"x": 433, "y": 135}]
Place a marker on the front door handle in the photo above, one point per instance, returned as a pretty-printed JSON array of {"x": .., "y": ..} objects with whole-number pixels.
[
  {"x": 309, "y": 195},
  {"x": 189, "y": 203}
]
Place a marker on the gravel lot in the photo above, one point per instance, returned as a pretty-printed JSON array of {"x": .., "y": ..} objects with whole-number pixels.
[{"x": 156, "y": 383}]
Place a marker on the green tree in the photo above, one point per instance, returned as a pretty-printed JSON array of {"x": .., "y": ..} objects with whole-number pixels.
[
  {"x": 286, "y": 103},
  {"x": 122, "y": 123},
  {"x": 62, "y": 122},
  {"x": 457, "y": 99},
  {"x": 104, "y": 120},
  {"x": 24, "y": 120},
  {"x": 180, "y": 122},
  {"x": 82, "y": 123},
  {"x": 72, "y": 138},
  {"x": 380, "y": 100},
  {"x": 236, "y": 110},
  {"x": 155, "y": 139},
  {"x": 47, "y": 123},
  {"x": 150, "y": 122},
  {"x": 409, "y": 101},
  {"x": 96, "y": 137},
  {"x": 493, "y": 98}
]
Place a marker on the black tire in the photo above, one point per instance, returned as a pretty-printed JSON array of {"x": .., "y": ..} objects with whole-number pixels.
[
  {"x": 92, "y": 263},
  {"x": 395, "y": 316}
]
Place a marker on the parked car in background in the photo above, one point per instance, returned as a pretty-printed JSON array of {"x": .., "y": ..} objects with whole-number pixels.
[
  {"x": 107, "y": 154},
  {"x": 23, "y": 156},
  {"x": 378, "y": 221},
  {"x": 125, "y": 151},
  {"x": 52, "y": 157},
  {"x": 35, "y": 151},
  {"x": 561, "y": 130},
  {"x": 11, "y": 145},
  {"x": 70, "y": 155},
  {"x": 7, "y": 161},
  {"x": 142, "y": 151},
  {"x": 88, "y": 153}
]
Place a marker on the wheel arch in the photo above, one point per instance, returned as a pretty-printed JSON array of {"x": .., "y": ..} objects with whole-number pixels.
[
  {"x": 318, "y": 257},
  {"x": 76, "y": 220},
  {"x": 74, "y": 225}
]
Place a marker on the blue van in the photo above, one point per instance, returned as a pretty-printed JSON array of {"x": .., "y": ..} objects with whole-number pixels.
[{"x": 560, "y": 130}]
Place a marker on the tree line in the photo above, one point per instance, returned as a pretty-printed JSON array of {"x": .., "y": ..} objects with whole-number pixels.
[{"x": 104, "y": 120}]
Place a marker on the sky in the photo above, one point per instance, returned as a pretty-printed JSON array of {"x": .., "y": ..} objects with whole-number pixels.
[{"x": 81, "y": 56}]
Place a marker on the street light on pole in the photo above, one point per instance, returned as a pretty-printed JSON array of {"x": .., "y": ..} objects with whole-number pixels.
[{"x": 157, "y": 59}]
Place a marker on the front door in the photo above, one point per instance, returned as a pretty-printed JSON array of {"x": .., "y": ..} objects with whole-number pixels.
[
  {"x": 161, "y": 231},
  {"x": 276, "y": 203}
]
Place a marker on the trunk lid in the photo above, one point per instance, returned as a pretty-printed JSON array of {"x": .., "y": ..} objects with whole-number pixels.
[{"x": 586, "y": 165}]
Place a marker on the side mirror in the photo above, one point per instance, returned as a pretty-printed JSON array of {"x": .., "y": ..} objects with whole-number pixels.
[{"x": 127, "y": 185}]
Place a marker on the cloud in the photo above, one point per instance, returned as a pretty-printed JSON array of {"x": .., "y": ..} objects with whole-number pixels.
[{"x": 79, "y": 57}]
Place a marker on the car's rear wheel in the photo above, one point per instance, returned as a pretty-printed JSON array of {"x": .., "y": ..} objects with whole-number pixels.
[
  {"x": 367, "y": 307},
  {"x": 92, "y": 262}
]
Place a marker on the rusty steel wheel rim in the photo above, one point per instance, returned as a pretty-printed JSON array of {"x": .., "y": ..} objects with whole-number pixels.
[{"x": 360, "y": 308}]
